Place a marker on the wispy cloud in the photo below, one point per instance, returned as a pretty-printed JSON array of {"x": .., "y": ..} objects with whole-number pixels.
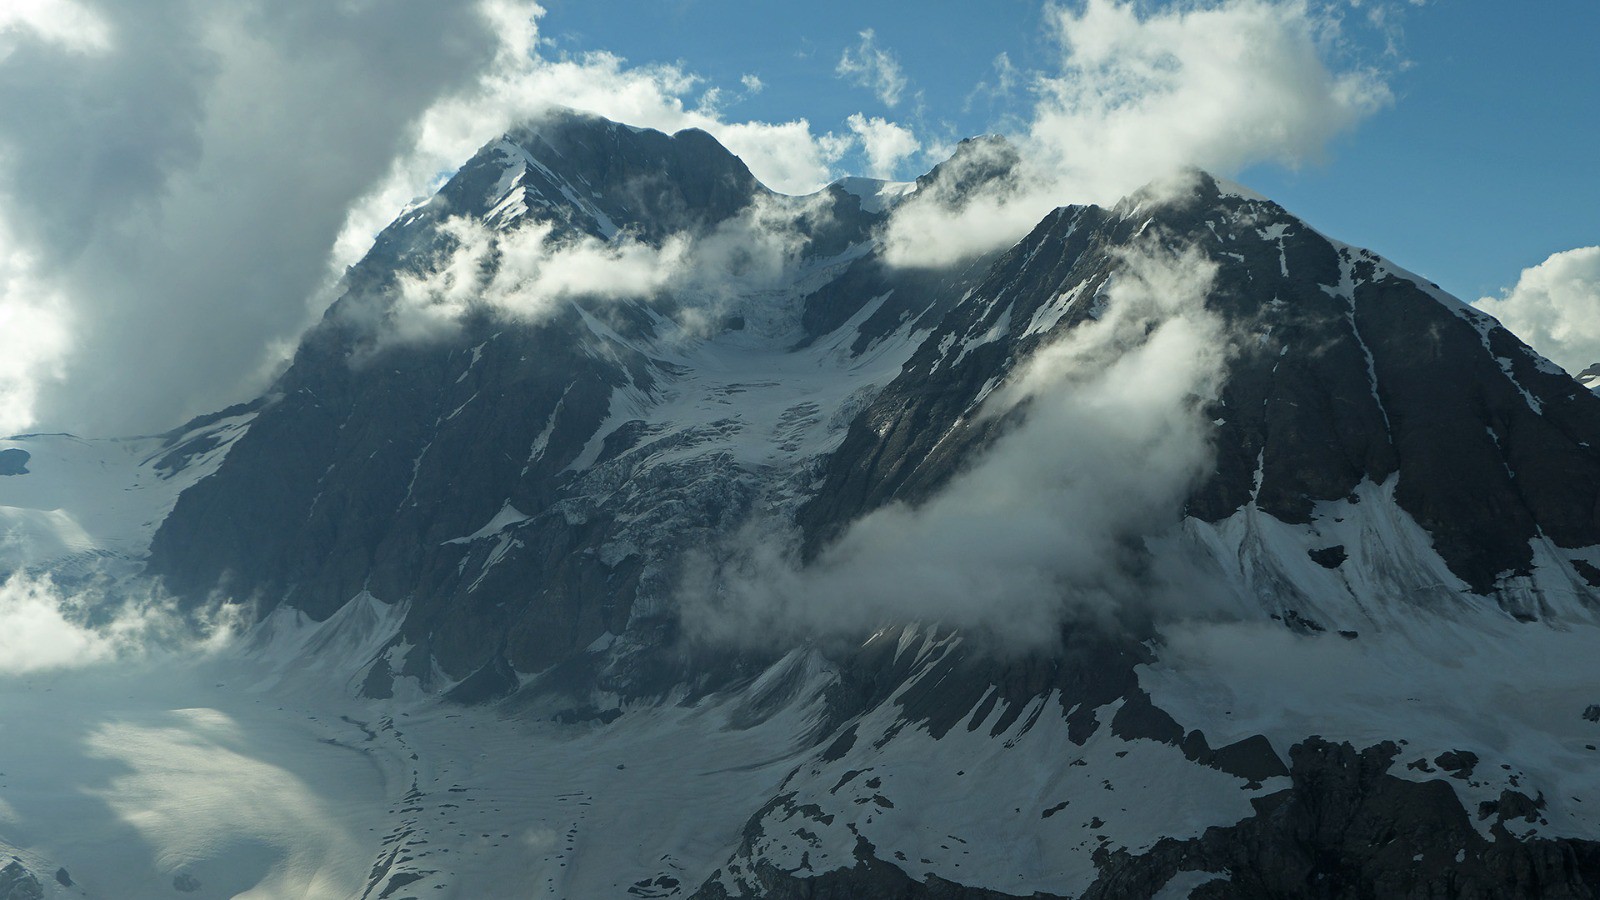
[
  {"x": 1046, "y": 524},
  {"x": 873, "y": 67},
  {"x": 43, "y": 627},
  {"x": 174, "y": 174},
  {"x": 528, "y": 273}
]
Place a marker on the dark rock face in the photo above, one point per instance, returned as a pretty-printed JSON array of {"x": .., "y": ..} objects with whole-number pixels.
[
  {"x": 870, "y": 877},
  {"x": 14, "y": 461},
  {"x": 1328, "y": 557},
  {"x": 354, "y": 477},
  {"x": 368, "y": 477},
  {"x": 1347, "y": 828},
  {"x": 1351, "y": 372},
  {"x": 17, "y": 883},
  {"x": 376, "y": 475},
  {"x": 1251, "y": 759}
]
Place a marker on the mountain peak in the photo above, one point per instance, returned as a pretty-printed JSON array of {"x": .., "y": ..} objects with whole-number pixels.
[{"x": 977, "y": 164}]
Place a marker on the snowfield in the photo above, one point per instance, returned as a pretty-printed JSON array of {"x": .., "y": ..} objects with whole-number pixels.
[{"x": 242, "y": 774}]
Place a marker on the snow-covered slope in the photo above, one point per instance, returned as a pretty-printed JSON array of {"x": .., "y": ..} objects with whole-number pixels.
[{"x": 71, "y": 503}]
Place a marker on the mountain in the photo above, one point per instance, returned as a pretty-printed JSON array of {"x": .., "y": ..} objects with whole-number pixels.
[{"x": 1337, "y": 646}]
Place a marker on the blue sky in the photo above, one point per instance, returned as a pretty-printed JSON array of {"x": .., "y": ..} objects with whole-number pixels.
[{"x": 1484, "y": 164}]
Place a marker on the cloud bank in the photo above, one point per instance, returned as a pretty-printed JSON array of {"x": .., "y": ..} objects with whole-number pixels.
[
  {"x": 1141, "y": 93},
  {"x": 172, "y": 176},
  {"x": 1047, "y": 524},
  {"x": 1555, "y": 308}
]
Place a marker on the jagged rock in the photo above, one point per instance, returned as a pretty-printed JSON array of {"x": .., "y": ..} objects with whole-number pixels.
[
  {"x": 14, "y": 461},
  {"x": 1371, "y": 401},
  {"x": 1329, "y": 557},
  {"x": 1347, "y": 828},
  {"x": 1459, "y": 763},
  {"x": 870, "y": 877},
  {"x": 17, "y": 883}
]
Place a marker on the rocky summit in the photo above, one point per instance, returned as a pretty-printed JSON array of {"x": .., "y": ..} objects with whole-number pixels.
[{"x": 654, "y": 534}]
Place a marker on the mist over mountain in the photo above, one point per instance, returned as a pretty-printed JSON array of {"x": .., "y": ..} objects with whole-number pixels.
[{"x": 629, "y": 529}]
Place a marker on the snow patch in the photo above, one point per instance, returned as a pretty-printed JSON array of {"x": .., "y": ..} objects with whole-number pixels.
[
  {"x": 507, "y": 517},
  {"x": 876, "y": 196}
]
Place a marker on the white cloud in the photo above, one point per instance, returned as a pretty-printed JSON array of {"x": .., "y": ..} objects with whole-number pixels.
[
  {"x": 43, "y": 627},
  {"x": 34, "y": 339},
  {"x": 886, "y": 144},
  {"x": 175, "y": 174},
  {"x": 870, "y": 66},
  {"x": 527, "y": 272},
  {"x": 35, "y": 633},
  {"x": 1007, "y": 78},
  {"x": 1555, "y": 308},
  {"x": 521, "y": 273},
  {"x": 1140, "y": 94},
  {"x": 1040, "y": 528},
  {"x": 64, "y": 23}
]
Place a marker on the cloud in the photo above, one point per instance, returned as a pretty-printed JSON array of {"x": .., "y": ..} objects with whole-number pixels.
[
  {"x": 35, "y": 633},
  {"x": 64, "y": 23},
  {"x": 886, "y": 144},
  {"x": 34, "y": 338},
  {"x": 868, "y": 65},
  {"x": 1555, "y": 308},
  {"x": 526, "y": 273},
  {"x": 1139, "y": 94},
  {"x": 44, "y": 628},
  {"x": 522, "y": 84},
  {"x": 523, "y": 273},
  {"x": 1047, "y": 523},
  {"x": 172, "y": 175},
  {"x": 1007, "y": 78}
]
